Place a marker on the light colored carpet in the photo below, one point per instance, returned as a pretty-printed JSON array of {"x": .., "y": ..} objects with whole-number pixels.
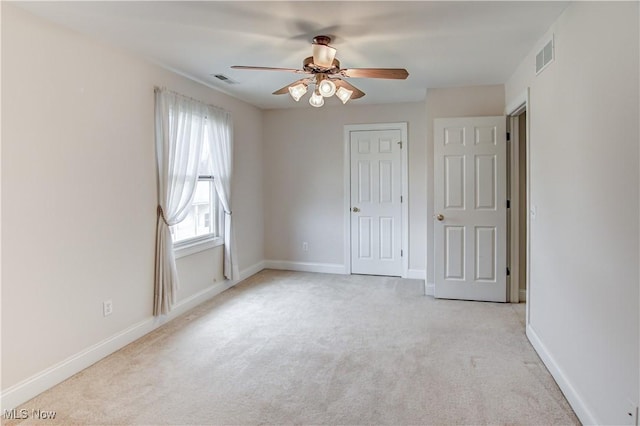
[{"x": 303, "y": 348}]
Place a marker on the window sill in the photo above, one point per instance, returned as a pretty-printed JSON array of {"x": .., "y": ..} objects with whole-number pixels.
[{"x": 189, "y": 248}]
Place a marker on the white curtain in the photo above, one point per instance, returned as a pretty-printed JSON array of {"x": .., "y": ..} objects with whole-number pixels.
[
  {"x": 180, "y": 124},
  {"x": 221, "y": 148}
]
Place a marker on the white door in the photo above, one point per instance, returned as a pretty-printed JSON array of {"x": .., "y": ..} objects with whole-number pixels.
[
  {"x": 470, "y": 220},
  {"x": 376, "y": 209}
]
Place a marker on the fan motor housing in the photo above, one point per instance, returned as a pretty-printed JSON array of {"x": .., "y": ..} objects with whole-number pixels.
[{"x": 309, "y": 66}]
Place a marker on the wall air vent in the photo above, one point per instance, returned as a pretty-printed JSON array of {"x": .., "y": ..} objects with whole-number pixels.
[
  {"x": 545, "y": 56},
  {"x": 224, "y": 78}
]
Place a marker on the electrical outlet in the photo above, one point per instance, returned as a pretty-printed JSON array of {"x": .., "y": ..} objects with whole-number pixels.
[
  {"x": 305, "y": 246},
  {"x": 107, "y": 308},
  {"x": 632, "y": 413}
]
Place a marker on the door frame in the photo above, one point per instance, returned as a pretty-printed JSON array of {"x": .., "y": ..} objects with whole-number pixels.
[
  {"x": 404, "y": 234},
  {"x": 520, "y": 104}
]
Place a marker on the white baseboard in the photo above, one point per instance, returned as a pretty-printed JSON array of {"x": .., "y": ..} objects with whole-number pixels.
[
  {"x": 46, "y": 379},
  {"x": 38, "y": 383},
  {"x": 523, "y": 296},
  {"x": 251, "y": 270},
  {"x": 417, "y": 274},
  {"x": 325, "y": 268},
  {"x": 429, "y": 289},
  {"x": 585, "y": 415}
]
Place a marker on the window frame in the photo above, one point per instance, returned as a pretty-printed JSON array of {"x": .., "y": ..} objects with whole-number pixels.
[{"x": 200, "y": 243}]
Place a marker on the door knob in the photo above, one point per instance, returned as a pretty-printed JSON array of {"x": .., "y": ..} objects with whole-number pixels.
[
  {"x": 440, "y": 217},
  {"x": 356, "y": 210}
]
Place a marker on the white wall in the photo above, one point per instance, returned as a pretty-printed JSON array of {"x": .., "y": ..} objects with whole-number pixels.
[
  {"x": 304, "y": 180},
  {"x": 584, "y": 169},
  {"x": 79, "y": 192},
  {"x": 474, "y": 101}
]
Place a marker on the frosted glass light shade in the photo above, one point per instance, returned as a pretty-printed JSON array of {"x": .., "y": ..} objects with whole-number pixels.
[
  {"x": 327, "y": 88},
  {"x": 297, "y": 91},
  {"x": 316, "y": 100},
  {"x": 344, "y": 94},
  {"x": 323, "y": 55}
]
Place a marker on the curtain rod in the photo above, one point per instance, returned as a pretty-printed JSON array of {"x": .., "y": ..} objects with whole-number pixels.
[{"x": 160, "y": 89}]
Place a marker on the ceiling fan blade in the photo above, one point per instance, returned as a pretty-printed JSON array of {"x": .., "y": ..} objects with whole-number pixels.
[
  {"x": 357, "y": 93},
  {"x": 393, "y": 73},
  {"x": 285, "y": 89},
  {"x": 244, "y": 67}
]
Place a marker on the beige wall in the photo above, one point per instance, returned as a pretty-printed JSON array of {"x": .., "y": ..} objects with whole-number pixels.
[
  {"x": 79, "y": 192},
  {"x": 584, "y": 168},
  {"x": 304, "y": 179},
  {"x": 454, "y": 102},
  {"x": 299, "y": 193}
]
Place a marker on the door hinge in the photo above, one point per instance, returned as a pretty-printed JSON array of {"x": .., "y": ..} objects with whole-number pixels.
[
  {"x": 401, "y": 198},
  {"x": 401, "y": 253},
  {"x": 508, "y": 204},
  {"x": 400, "y": 143},
  {"x": 508, "y": 136},
  {"x": 508, "y": 271}
]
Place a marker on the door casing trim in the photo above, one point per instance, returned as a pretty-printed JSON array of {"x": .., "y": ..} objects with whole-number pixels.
[
  {"x": 348, "y": 128},
  {"x": 517, "y": 106}
]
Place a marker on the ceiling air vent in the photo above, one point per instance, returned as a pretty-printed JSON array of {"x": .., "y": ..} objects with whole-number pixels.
[
  {"x": 544, "y": 56},
  {"x": 224, "y": 78}
]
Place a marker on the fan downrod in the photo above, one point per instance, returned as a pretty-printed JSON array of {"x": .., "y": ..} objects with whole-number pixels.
[{"x": 322, "y": 39}]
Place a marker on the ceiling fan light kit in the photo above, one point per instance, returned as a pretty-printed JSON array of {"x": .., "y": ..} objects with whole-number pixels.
[
  {"x": 316, "y": 100},
  {"x": 297, "y": 91},
  {"x": 327, "y": 76},
  {"x": 327, "y": 88},
  {"x": 344, "y": 94}
]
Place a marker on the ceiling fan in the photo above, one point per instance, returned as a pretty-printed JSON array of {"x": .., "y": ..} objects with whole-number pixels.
[{"x": 325, "y": 73}]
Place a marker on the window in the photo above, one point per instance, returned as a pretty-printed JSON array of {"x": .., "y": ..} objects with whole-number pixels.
[
  {"x": 202, "y": 228},
  {"x": 205, "y": 206}
]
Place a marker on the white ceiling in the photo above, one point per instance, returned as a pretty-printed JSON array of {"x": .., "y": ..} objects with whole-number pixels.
[{"x": 441, "y": 44}]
